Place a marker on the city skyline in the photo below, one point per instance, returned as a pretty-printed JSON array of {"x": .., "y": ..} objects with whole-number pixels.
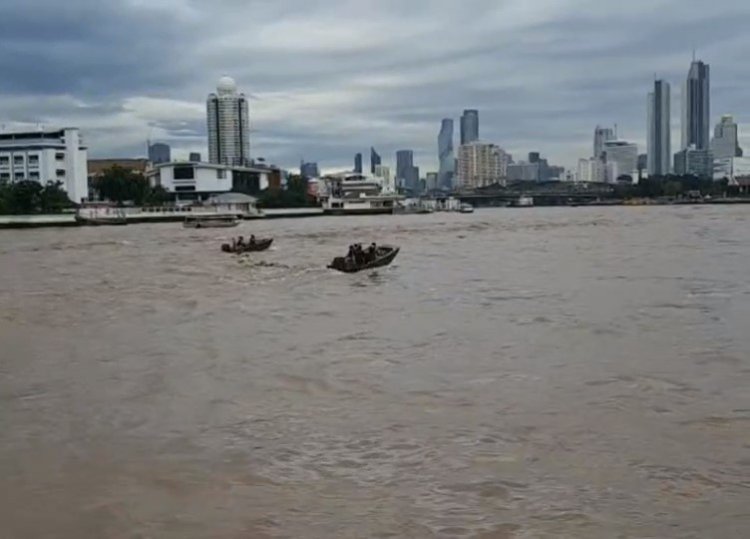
[{"x": 304, "y": 103}]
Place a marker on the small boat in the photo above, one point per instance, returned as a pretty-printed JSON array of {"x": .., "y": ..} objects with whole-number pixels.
[
  {"x": 384, "y": 255},
  {"x": 210, "y": 221},
  {"x": 466, "y": 208},
  {"x": 100, "y": 215},
  {"x": 257, "y": 245}
]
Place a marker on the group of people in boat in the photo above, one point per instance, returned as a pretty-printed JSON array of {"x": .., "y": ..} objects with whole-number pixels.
[
  {"x": 359, "y": 256},
  {"x": 240, "y": 242}
]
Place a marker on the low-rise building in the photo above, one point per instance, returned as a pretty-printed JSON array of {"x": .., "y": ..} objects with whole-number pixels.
[
  {"x": 46, "y": 155},
  {"x": 199, "y": 181},
  {"x": 734, "y": 169}
]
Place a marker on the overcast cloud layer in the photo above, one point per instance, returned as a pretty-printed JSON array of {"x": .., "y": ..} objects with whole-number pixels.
[{"x": 330, "y": 78}]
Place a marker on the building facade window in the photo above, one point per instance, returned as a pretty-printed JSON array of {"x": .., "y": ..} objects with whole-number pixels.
[
  {"x": 4, "y": 160},
  {"x": 34, "y": 175},
  {"x": 18, "y": 176},
  {"x": 184, "y": 173},
  {"x": 34, "y": 160},
  {"x": 4, "y": 177},
  {"x": 221, "y": 174},
  {"x": 60, "y": 172},
  {"x": 18, "y": 159},
  {"x": 60, "y": 156}
]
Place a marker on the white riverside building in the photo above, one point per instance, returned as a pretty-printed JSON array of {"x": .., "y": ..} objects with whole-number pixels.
[
  {"x": 200, "y": 181},
  {"x": 46, "y": 155}
]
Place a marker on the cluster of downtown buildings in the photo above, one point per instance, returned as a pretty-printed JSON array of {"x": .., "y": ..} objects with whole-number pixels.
[
  {"x": 60, "y": 154},
  {"x": 477, "y": 164},
  {"x": 699, "y": 154}
]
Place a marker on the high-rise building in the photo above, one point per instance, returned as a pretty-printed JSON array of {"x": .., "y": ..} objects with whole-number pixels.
[
  {"x": 696, "y": 107},
  {"x": 404, "y": 167},
  {"x": 358, "y": 163},
  {"x": 159, "y": 153},
  {"x": 591, "y": 170},
  {"x": 693, "y": 161},
  {"x": 228, "y": 125},
  {"x": 622, "y": 157},
  {"x": 46, "y": 155},
  {"x": 659, "y": 147},
  {"x": 432, "y": 181},
  {"x": 309, "y": 170},
  {"x": 523, "y": 171},
  {"x": 725, "y": 143},
  {"x": 446, "y": 157},
  {"x": 384, "y": 173},
  {"x": 481, "y": 164},
  {"x": 602, "y": 135},
  {"x": 469, "y": 126},
  {"x": 374, "y": 160}
]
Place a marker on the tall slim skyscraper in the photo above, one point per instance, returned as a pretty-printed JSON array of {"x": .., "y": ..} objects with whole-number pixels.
[
  {"x": 228, "y": 125},
  {"x": 659, "y": 146},
  {"x": 358, "y": 163},
  {"x": 447, "y": 160},
  {"x": 374, "y": 160},
  {"x": 725, "y": 143},
  {"x": 602, "y": 135},
  {"x": 696, "y": 107},
  {"x": 406, "y": 173},
  {"x": 469, "y": 126}
]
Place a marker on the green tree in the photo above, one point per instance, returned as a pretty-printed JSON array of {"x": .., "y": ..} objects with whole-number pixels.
[
  {"x": 53, "y": 198},
  {"x": 119, "y": 185},
  {"x": 25, "y": 197}
]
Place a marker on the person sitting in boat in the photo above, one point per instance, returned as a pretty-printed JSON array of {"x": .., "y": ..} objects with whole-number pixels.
[
  {"x": 252, "y": 239},
  {"x": 241, "y": 241},
  {"x": 371, "y": 252}
]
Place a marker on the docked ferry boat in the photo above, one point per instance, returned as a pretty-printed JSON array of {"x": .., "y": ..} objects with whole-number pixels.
[{"x": 352, "y": 193}]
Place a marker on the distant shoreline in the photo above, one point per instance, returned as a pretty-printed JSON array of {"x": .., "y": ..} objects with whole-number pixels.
[{"x": 69, "y": 220}]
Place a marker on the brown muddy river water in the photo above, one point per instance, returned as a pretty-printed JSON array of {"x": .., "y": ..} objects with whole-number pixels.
[{"x": 540, "y": 373}]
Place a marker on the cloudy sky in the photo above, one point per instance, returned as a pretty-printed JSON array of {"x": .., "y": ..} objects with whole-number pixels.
[{"x": 329, "y": 78}]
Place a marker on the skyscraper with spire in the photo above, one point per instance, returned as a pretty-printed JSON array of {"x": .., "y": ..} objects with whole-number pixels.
[{"x": 696, "y": 106}]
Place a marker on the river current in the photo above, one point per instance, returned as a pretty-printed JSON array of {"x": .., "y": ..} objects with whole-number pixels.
[{"x": 529, "y": 373}]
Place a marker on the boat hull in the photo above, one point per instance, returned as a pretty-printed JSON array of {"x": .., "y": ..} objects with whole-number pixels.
[
  {"x": 210, "y": 224},
  {"x": 363, "y": 211},
  {"x": 93, "y": 221},
  {"x": 259, "y": 245},
  {"x": 382, "y": 260}
]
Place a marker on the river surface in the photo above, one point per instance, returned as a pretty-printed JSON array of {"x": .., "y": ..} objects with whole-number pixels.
[{"x": 532, "y": 373}]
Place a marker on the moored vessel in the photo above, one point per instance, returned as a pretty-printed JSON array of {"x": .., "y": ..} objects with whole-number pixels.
[{"x": 210, "y": 221}]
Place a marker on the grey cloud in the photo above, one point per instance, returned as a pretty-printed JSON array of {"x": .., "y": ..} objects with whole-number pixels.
[{"x": 341, "y": 76}]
